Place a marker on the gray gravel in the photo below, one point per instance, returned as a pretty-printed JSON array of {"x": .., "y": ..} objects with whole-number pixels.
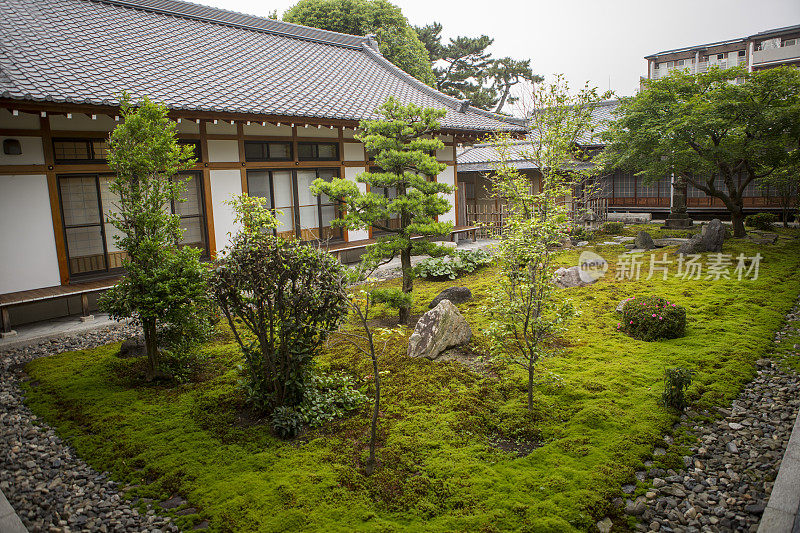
[
  {"x": 730, "y": 471},
  {"x": 52, "y": 489}
]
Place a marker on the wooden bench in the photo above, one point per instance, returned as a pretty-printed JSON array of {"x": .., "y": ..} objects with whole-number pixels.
[
  {"x": 472, "y": 230},
  {"x": 83, "y": 290}
]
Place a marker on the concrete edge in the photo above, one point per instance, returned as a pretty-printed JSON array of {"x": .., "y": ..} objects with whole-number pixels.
[
  {"x": 9, "y": 521},
  {"x": 782, "y": 514},
  {"x": 63, "y": 332}
]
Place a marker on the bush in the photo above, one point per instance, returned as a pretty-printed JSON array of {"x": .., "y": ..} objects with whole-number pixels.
[
  {"x": 281, "y": 299},
  {"x": 762, "y": 221},
  {"x": 652, "y": 318},
  {"x": 393, "y": 297},
  {"x": 579, "y": 233},
  {"x": 452, "y": 266},
  {"x": 676, "y": 381},
  {"x": 612, "y": 228},
  {"x": 286, "y": 422}
]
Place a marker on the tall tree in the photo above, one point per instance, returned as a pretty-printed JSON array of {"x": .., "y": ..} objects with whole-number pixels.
[
  {"x": 720, "y": 131},
  {"x": 465, "y": 69},
  {"x": 402, "y": 142},
  {"x": 397, "y": 40},
  {"x": 163, "y": 283}
]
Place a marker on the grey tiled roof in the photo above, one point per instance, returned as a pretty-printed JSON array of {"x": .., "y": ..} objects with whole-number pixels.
[
  {"x": 482, "y": 157},
  {"x": 199, "y": 58}
]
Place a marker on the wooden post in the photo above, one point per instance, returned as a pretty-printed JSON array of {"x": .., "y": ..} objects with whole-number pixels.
[
  {"x": 85, "y": 316},
  {"x": 5, "y": 322}
]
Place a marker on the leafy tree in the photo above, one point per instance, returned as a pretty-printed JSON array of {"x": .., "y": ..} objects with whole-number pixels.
[
  {"x": 467, "y": 70},
  {"x": 526, "y": 316},
  {"x": 164, "y": 284},
  {"x": 703, "y": 126},
  {"x": 279, "y": 297},
  {"x": 397, "y": 40},
  {"x": 401, "y": 142}
]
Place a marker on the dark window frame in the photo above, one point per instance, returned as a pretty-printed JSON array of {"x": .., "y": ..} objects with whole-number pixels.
[
  {"x": 266, "y": 146},
  {"x": 315, "y": 151},
  {"x": 203, "y": 216},
  {"x": 89, "y": 149}
]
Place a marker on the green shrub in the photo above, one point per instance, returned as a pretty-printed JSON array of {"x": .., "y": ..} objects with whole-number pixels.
[
  {"x": 452, "y": 266},
  {"x": 676, "y": 381},
  {"x": 579, "y": 233},
  {"x": 286, "y": 422},
  {"x": 612, "y": 228},
  {"x": 651, "y": 318},
  {"x": 762, "y": 221},
  {"x": 392, "y": 297}
]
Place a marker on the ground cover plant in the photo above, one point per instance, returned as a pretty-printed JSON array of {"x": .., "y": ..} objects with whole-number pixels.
[
  {"x": 652, "y": 318},
  {"x": 452, "y": 266},
  {"x": 456, "y": 447}
]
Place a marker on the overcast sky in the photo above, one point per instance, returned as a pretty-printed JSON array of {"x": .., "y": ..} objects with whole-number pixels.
[{"x": 602, "y": 41}]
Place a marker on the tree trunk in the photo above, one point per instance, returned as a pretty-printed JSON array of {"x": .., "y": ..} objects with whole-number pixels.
[
  {"x": 408, "y": 284},
  {"x": 530, "y": 389},
  {"x": 373, "y": 436},
  {"x": 737, "y": 220},
  {"x": 151, "y": 345}
]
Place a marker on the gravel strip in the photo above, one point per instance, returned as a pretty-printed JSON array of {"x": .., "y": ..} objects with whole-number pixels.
[
  {"x": 50, "y": 488},
  {"x": 732, "y": 467}
]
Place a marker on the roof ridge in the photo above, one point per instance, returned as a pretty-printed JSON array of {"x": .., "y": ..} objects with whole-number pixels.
[
  {"x": 214, "y": 15},
  {"x": 450, "y": 101}
]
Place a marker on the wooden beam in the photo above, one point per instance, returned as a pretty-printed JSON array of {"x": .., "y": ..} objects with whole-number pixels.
[
  {"x": 242, "y": 158},
  {"x": 209, "y": 206},
  {"x": 55, "y": 204}
]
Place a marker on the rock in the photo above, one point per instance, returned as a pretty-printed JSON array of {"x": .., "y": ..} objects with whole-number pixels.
[
  {"x": 644, "y": 241},
  {"x": 439, "y": 329},
  {"x": 582, "y": 244},
  {"x": 456, "y": 295},
  {"x": 731, "y": 447},
  {"x": 735, "y": 426},
  {"x": 132, "y": 347},
  {"x": 713, "y": 236},
  {"x": 604, "y": 525},
  {"x": 566, "y": 278},
  {"x": 692, "y": 246}
]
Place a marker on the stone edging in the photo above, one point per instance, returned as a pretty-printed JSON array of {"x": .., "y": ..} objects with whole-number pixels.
[
  {"x": 9, "y": 521},
  {"x": 782, "y": 514}
]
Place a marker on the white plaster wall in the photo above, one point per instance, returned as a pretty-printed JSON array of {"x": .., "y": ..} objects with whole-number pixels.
[
  {"x": 313, "y": 131},
  {"x": 349, "y": 134},
  {"x": 32, "y": 153},
  {"x": 353, "y": 152},
  {"x": 350, "y": 173},
  {"x": 81, "y": 122},
  {"x": 446, "y": 154},
  {"x": 225, "y": 184},
  {"x": 187, "y": 126},
  {"x": 27, "y": 244},
  {"x": 221, "y": 127},
  {"x": 23, "y": 121},
  {"x": 277, "y": 131},
  {"x": 223, "y": 151},
  {"x": 448, "y": 177}
]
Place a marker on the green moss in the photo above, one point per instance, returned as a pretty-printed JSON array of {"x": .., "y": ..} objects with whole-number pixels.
[{"x": 596, "y": 418}]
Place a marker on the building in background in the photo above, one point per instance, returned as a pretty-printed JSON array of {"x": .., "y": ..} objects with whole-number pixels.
[
  {"x": 766, "y": 49},
  {"x": 268, "y": 106}
]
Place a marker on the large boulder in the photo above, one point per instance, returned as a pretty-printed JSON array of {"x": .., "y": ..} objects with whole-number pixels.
[
  {"x": 439, "y": 329},
  {"x": 713, "y": 235},
  {"x": 566, "y": 278},
  {"x": 132, "y": 347},
  {"x": 456, "y": 295},
  {"x": 644, "y": 241},
  {"x": 710, "y": 239}
]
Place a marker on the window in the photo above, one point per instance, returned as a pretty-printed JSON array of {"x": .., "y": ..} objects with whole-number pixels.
[
  {"x": 267, "y": 151},
  {"x": 318, "y": 151},
  {"x": 195, "y": 146},
  {"x": 391, "y": 194},
  {"x": 789, "y": 42},
  {"x": 277, "y": 187},
  {"x": 624, "y": 185},
  {"x": 315, "y": 213},
  {"x": 89, "y": 236},
  {"x": 741, "y": 53},
  {"x": 680, "y": 62},
  {"x": 720, "y": 56},
  {"x": 75, "y": 150}
]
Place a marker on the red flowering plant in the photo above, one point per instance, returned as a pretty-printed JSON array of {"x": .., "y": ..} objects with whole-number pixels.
[{"x": 651, "y": 318}]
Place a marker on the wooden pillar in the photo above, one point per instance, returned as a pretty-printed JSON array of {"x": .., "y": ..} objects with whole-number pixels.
[
  {"x": 209, "y": 209},
  {"x": 55, "y": 204}
]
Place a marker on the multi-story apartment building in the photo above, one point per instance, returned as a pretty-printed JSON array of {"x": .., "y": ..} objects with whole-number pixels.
[{"x": 766, "y": 49}]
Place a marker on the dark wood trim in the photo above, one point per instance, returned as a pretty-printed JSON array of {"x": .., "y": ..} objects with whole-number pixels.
[
  {"x": 11, "y": 132},
  {"x": 55, "y": 205},
  {"x": 207, "y": 197},
  {"x": 23, "y": 169},
  {"x": 242, "y": 158}
]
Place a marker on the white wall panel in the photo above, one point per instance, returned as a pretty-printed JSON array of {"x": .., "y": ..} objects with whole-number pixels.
[
  {"x": 313, "y": 131},
  {"x": 23, "y": 121},
  {"x": 28, "y": 257},
  {"x": 225, "y": 184},
  {"x": 353, "y": 152},
  {"x": 277, "y": 131},
  {"x": 223, "y": 151},
  {"x": 448, "y": 177},
  {"x": 31, "y": 152},
  {"x": 81, "y": 122},
  {"x": 350, "y": 173},
  {"x": 221, "y": 127}
]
